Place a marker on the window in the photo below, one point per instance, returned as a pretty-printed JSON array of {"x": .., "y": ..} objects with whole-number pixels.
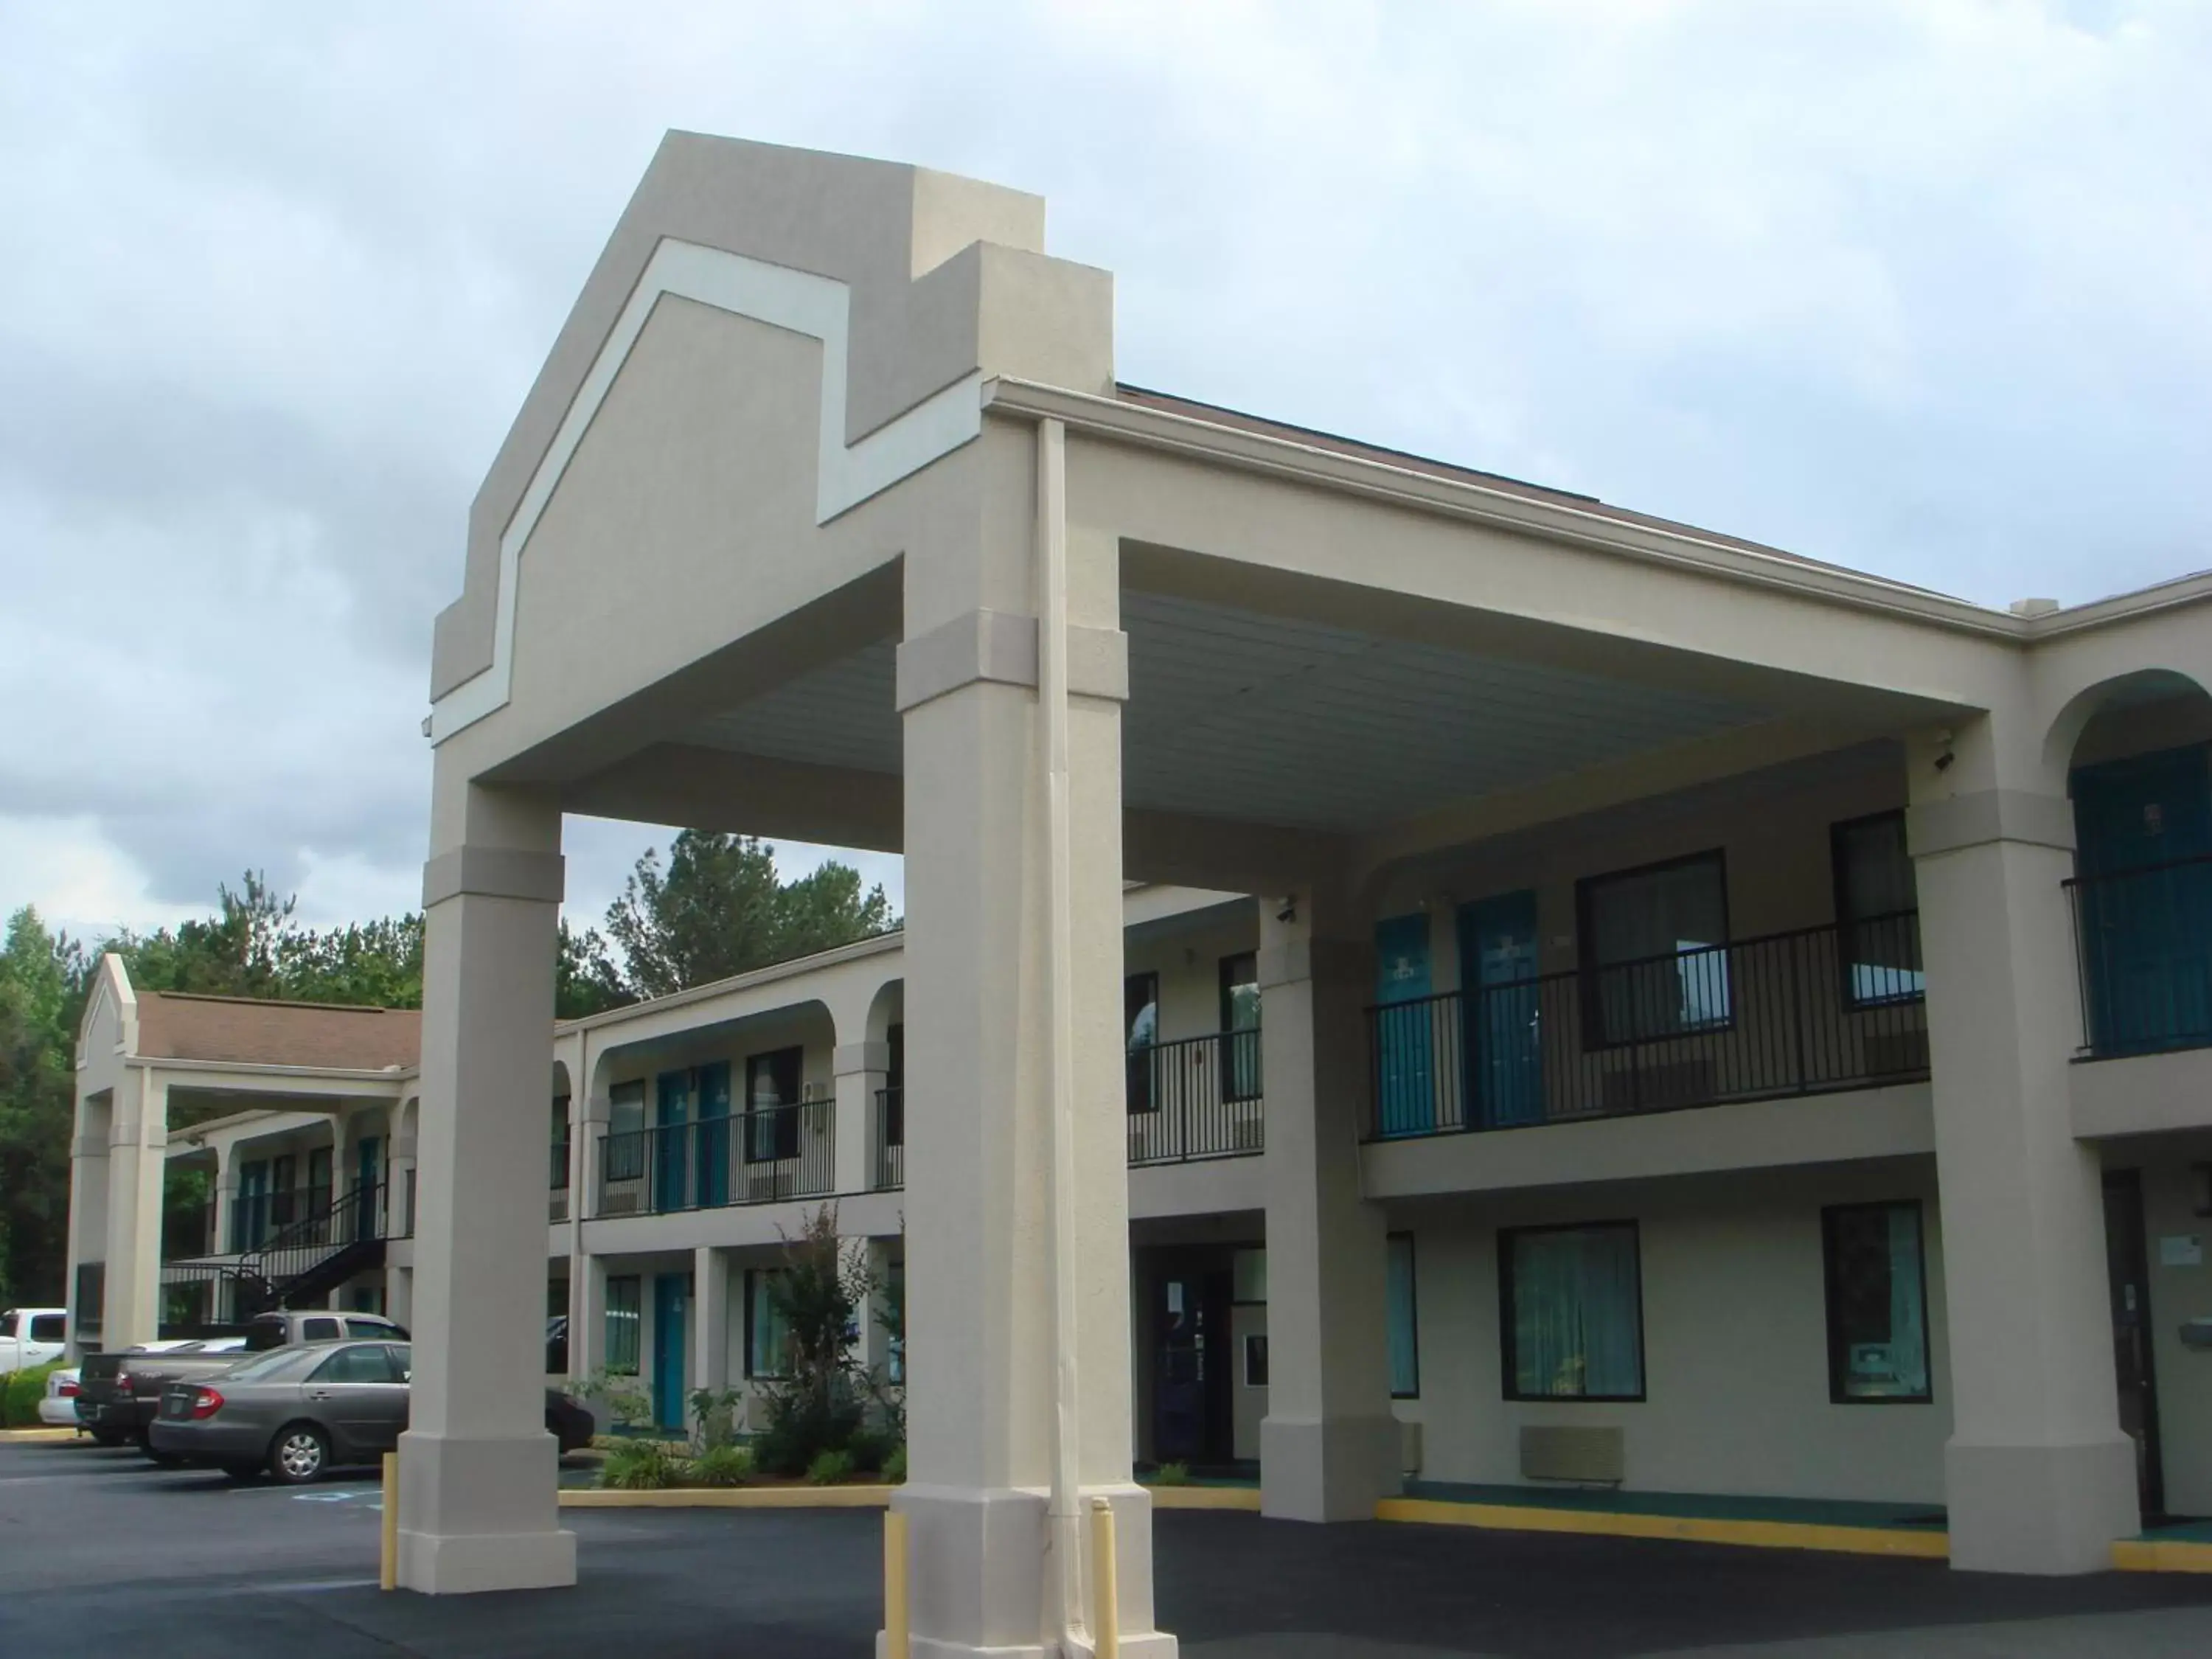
[
  {"x": 1654, "y": 948},
  {"x": 772, "y": 1093},
  {"x": 1240, "y": 1024},
  {"x": 1255, "y": 1360},
  {"x": 626, "y": 1132},
  {"x": 1877, "y": 1303},
  {"x": 48, "y": 1328},
  {"x": 320, "y": 1330},
  {"x": 560, "y": 1143},
  {"x": 768, "y": 1338},
  {"x": 370, "y": 1362},
  {"x": 8, "y": 1322},
  {"x": 1877, "y": 911},
  {"x": 895, "y": 1338},
  {"x": 1140, "y": 1023},
  {"x": 1247, "y": 1274},
  {"x": 1572, "y": 1313},
  {"x": 1405, "y": 1321},
  {"x": 622, "y": 1325},
  {"x": 367, "y": 1327},
  {"x": 403, "y": 1361}
]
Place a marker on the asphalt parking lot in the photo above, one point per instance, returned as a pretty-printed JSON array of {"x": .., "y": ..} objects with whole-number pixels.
[{"x": 98, "y": 1549}]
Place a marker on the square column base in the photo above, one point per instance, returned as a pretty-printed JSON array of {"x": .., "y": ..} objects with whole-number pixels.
[
  {"x": 1330, "y": 1469},
  {"x": 2050, "y": 1509},
  {"x": 975, "y": 1566},
  {"x": 482, "y": 1515}
]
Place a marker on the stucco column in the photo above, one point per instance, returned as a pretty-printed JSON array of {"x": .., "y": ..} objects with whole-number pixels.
[
  {"x": 477, "y": 1482},
  {"x": 226, "y": 1198},
  {"x": 87, "y": 1216},
  {"x": 137, "y": 1141},
  {"x": 1328, "y": 1446},
  {"x": 399, "y": 1296},
  {"x": 587, "y": 1315},
  {"x": 861, "y": 1070},
  {"x": 979, "y": 1089},
  {"x": 2039, "y": 1476},
  {"x": 709, "y": 1347}
]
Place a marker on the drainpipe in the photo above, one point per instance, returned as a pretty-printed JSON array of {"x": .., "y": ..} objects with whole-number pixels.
[{"x": 1063, "y": 1540}]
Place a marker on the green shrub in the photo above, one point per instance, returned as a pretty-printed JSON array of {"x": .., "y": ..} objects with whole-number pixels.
[
  {"x": 870, "y": 1447},
  {"x": 725, "y": 1465},
  {"x": 830, "y": 1468},
  {"x": 641, "y": 1465},
  {"x": 895, "y": 1466},
  {"x": 1171, "y": 1474},
  {"x": 24, "y": 1389}
]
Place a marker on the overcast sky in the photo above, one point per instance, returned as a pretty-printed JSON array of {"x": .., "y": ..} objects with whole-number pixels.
[{"x": 1922, "y": 287}]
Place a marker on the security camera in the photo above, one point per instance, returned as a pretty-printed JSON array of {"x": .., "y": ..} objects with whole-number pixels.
[
  {"x": 1943, "y": 761},
  {"x": 1288, "y": 912}
]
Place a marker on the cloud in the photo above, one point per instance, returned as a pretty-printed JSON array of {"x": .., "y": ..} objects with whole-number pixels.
[{"x": 1915, "y": 285}]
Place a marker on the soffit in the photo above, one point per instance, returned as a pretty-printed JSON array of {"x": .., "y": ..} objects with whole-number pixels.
[{"x": 1233, "y": 715}]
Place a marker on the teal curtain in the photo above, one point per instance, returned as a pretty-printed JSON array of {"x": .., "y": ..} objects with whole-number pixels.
[
  {"x": 1577, "y": 1319},
  {"x": 1908, "y": 1317},
  {"x": 1405, "y": 1345}
]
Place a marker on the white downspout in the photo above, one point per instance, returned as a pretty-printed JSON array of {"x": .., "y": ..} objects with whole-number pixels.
[{"x": 1064, "y": 1539}]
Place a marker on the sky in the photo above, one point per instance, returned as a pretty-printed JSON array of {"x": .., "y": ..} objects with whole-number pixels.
[{"x": 1923, "y": 287}]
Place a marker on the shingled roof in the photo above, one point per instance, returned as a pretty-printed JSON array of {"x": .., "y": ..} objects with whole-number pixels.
[{"x": 328, "y": 1036}]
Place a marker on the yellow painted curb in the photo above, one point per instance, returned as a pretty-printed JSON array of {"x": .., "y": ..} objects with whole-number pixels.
[
  {"x": 1695, "y": 1530},
  {"x": 2148, "y": 1555},
  {"x": 16, "y": 1436},
  {"x": 1205, "y": 1498},
  {"x": 728, "y": 1497}
]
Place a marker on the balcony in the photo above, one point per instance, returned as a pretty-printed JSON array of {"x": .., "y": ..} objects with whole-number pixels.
[
  {"x": 2144, "y": 938},
  {"x": 1196, "y": 1098},
  {"x": 762, "y": 1157},
  {"x": 1814, "y": 1011},
  {"x": 887, "y": 1173}
]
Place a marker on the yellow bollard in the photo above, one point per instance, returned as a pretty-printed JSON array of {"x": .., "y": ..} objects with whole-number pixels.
[
  {"x": 896, "y": 1640},
  {"x": 387, "y": 1577},
  {"x": 1105, "y": 1585}
]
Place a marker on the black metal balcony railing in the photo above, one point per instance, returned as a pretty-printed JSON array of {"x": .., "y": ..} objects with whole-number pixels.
[
  {"x": 2144, "y": 940},
  {"x": 750, "y": 1157},
  {"x": 1198, "y": 1098},
  {"x": 1807, "y": 1013},
  {"x": 888, "y": 1138}
]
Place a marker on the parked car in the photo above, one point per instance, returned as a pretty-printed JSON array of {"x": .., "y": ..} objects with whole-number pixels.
[
  {"x": 58, "y": 1406},
  {"x": 31, "y": 1336},
  {"x": 297, "y": 1413},
  {"x": 119, "y": 1394}
]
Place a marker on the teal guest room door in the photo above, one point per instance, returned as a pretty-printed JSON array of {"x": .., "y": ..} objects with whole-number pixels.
[
  {"x": 672, "y": 1320},
  {"x": 1405, "y": 1092},
  {"x": 1504, "y": 1036}
]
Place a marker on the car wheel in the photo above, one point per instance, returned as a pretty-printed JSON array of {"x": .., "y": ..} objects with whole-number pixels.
[{"x": 299, "y": 1455}]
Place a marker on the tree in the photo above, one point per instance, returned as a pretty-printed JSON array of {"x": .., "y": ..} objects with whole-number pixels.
[
  {"x": 587, "y": 982},
  {"x": 44, "y": 977},
  {"x": 719, "y": 910},
  {"x": 237, "y": 952}
]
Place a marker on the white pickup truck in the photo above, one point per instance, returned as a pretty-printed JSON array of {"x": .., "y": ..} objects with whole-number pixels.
[{"x": 31, "y": 1336}]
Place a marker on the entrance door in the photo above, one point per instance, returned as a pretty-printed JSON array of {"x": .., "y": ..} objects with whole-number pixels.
[
  {"x": 1405, "y": 1092},
  {"x": 368, "y": 1176},
  {"x": 671, "y": 1160},
  {"x": 712, "y": 1176},
  {"x": 2127, "y": 1257},
  {"x": 671, "y": 1319},
  {"x": 249, "y": 1220},
  {"x": 1504, "y": 1041},
  {"x": 2146, "y": 936},
  {"x": 1193, "y": 1415}
]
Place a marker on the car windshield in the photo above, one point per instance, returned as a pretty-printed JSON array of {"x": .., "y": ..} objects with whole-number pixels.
[{"x": 275, "y": 1365}]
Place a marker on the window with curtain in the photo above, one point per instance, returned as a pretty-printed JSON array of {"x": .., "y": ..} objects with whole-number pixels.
[
  {"x": 1877, "y": 911},
  {"x": 1655, "y": 950},
  {"x": 1573, "y": 1312},
  {"x": 1240, "y": 1025},
  {"x": 1404, "y": 1320},
  {"x": 1877, "y": 1303},
  {"x": 622, "y": 1304},
  {"x": 767, "y": 1337},
  {"x": 772, "y": 1095},
  {"x": 626, "y": 1131},
  {"x": 1140, "y": 1022}
]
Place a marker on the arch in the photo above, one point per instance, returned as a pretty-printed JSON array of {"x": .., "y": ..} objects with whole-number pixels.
[
  {"x": 886, "y": 1008},
  {"x": 2182, "y": 703}
]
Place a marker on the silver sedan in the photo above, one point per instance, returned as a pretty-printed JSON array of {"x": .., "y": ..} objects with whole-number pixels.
[{"x": 294, "y": 1413}]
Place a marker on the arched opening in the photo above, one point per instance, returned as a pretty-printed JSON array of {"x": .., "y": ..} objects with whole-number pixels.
[{"x": 2138, "y": 756}]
